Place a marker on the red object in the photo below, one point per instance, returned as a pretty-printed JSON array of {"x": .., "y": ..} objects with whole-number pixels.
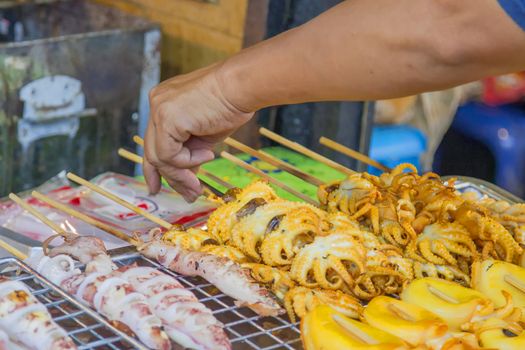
[{"x": 504, "y": 89}]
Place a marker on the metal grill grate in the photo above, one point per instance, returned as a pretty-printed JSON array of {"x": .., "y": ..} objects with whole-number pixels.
[
  {"x": 244, "y": 327},
  {"x": 87, "y": 329}
]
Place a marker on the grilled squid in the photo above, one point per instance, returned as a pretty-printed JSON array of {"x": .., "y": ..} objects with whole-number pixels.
[
  {"x": 229, "y": 277},
  {"x": 185, "y": 319},
  {"x": 110, "y": 295},
  {"x": 27, "y": 321}
]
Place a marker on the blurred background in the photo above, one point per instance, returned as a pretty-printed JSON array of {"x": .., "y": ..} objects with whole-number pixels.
[{"x": 74, "y": 79}]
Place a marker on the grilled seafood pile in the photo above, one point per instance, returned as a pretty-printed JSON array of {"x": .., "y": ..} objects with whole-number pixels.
[
  {"x": 25, "y": 323},
  {"x": 439, "y": 230},
  {"x": 432, "y": 314},
  {"x": 372, "y": 237},
  {"x": 152, "y": 305}
]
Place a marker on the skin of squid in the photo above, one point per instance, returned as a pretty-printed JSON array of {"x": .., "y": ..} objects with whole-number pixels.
[
  {"x": 455, "y": 304},
  {"x": 325, "y": 328},
  {"x": 492, "y": 334}
]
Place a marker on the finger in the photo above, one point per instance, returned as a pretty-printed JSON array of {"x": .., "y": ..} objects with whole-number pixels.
[
  {"x": 174, "y": 153},
  {"x": 183, "y": 181},
  {"x": 152, "y": 177},
  {"x": 151, "y": 174},
  {"x": 188, "y": 158}
]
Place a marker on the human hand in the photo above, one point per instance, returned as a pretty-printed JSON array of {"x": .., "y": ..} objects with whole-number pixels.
[{"x": 189, "y": 115}]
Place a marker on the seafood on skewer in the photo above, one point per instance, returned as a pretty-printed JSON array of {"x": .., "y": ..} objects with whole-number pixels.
[
  {"x": 27, "y": 321},
  {"x": 186, "y": 320},
  {"x": 110, "y": 295},
  {"x": 228, "y": 276}
]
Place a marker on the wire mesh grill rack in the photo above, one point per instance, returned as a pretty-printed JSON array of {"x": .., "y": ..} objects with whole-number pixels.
[
  {"x": 87, "y": 329},
  {"x": 244, "y": 327}
]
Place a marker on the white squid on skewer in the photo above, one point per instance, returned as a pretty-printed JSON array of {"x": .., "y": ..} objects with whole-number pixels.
[
  {"x": 186, "y": 320},
  {"x": 110, "y": 295},
  {"x": 27, "y": 321},
  {"x": 228, "y": 276}
]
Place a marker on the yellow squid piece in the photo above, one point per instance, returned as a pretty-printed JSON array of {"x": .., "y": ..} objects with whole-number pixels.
[
  {"x": 491, "y": 277},
  {"x": 495, "y": 335},
  {"x": 411, "y": 323},
  {"x": 323, "y": 328},
  {"x": 454, "y": 303}
]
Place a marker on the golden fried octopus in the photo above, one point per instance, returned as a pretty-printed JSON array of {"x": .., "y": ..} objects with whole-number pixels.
[
  {"x": 198, "y": 240},
  {"x": 444, "y": 244},
  {"x": 493, "y": 238},
  {"x": 237, "y": 203},
  {"x": 274, "y": 232},
  {"x": 330, "y": 262},
  {"x": 355, "y": 196}
]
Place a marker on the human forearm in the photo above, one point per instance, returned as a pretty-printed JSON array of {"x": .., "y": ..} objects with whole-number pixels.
[{"x": 364, "y": 49}]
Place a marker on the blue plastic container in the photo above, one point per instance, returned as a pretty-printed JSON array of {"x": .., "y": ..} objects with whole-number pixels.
[{"x": 396, "y": 144}]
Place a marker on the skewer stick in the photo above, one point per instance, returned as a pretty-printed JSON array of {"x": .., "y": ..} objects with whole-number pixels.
[
  {"x": 12, "y": 250},
  {"x": 273, "y": 161},
  {"x": 352, "y": 154},
  {"x": 124, "y": 153},
  {"x": 301, "y": 149},
  {"x": 516, "y": 283},
  {"x": 215, "y": 178},
  {"x": 442, "y": 295},
  {"x": 83, "y": 217},
  {"x": 38, "y": 215},
  {"x": 118, "y": 200},
  {"x": 138, "y": 140},
  {"x": 270, "y": 179},
  {"x": 355, "y": 332}
]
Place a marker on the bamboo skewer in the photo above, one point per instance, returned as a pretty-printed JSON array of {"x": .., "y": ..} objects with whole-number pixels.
[
  {"x": 83, "y": 217},
  {"x": 118, "y": 200},
  {"x": 273, "y": 161},
  {"x": 138, "y": 140},
  {"x": 352, "y": 154},
  {"x": 301, "y": 149},
  {"x": 270, "y": 179},
  {"x": 12, "y": 250},
  {"x": 135, "y": 158},
  {"x": 59, "y": 230},
  {"x": 215, "y": 178}
]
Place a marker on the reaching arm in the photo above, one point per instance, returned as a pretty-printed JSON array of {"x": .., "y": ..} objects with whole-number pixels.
[
  {"x": 365, "y": 50},
  {"x": 358, "y": 50}
]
